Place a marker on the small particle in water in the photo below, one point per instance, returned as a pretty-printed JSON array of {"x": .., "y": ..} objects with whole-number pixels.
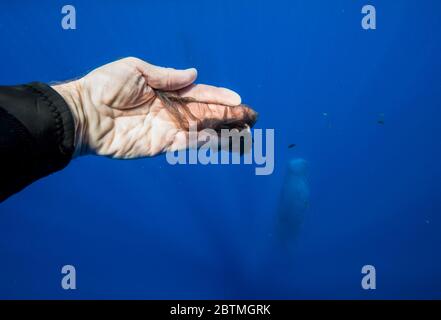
[
  {"x": 380, "y": 118},
  {"x": 427, "y": 221},
  {"x": 292, "y": 145},
  {"x": 325, "y": 114}
]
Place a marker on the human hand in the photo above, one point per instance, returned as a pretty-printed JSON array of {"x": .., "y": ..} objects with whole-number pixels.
[{"x": 130, "y": 109}]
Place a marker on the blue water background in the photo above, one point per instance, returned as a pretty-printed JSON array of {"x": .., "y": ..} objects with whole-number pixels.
[{"x": 145, "y": 229}]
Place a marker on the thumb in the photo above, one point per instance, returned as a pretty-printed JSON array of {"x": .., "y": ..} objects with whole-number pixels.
[{"x": 168, "y": 79}]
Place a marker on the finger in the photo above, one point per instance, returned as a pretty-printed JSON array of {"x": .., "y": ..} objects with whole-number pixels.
[
  {"x": 165, "y": 78},
  {"x": 211, "y": 94}
]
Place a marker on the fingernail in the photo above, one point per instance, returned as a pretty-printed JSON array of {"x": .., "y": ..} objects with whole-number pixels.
[
  {"x": 194, "y": 70},
  {"x": 233, "y": 97}
]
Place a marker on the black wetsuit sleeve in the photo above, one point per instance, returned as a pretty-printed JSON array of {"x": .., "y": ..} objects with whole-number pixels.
[{"x": 36, "y": 135}]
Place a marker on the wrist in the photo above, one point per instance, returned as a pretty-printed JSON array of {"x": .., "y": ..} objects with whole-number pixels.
[{"x": 71, "y": 93}]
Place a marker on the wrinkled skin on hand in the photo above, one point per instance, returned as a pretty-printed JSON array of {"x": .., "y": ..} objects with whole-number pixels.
[{"x": 120, "y": 110}]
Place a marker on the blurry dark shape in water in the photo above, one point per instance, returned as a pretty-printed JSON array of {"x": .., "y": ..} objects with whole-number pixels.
[
  {"x": 294, "y": 201},
  {"x": 292, "y": 145},
  {"x": 381, "y": 118}
]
